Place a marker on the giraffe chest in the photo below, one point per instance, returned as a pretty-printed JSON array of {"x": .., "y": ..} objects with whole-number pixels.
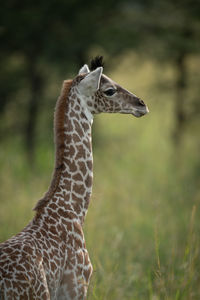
[
  {"x": 66, "y": 260},
  {"x": 76, "y": 275}
]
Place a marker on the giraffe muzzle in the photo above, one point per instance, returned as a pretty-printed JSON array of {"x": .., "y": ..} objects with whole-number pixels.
[
  {"x": 140, "y": 108},
  {"x": 137, "y": 106},
  {"x": 140, "y": 111}
]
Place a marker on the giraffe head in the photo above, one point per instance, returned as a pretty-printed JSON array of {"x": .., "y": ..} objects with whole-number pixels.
[{"x": 101, "y": 94}]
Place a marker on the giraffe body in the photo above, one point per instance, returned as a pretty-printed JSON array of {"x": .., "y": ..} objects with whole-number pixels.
[
  {"x": 49, "y": 259},
  {"x": 47, "y": 266}
]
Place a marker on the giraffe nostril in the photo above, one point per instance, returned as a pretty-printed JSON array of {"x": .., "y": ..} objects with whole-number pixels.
[{"x": 141, "y": 102}]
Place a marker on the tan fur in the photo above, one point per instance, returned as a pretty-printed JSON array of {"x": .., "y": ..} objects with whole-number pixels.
[{"x": 59, "y": 119}]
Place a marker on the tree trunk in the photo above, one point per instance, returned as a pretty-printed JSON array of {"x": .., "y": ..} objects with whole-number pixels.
[
  {"x": 180, "y": 90},
  {"x": 36, "y": 90}
]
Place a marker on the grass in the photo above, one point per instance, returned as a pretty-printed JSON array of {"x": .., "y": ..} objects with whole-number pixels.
[{"x": 142, "y": 228}]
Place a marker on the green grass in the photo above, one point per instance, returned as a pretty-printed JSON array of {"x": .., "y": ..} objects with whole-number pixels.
[{"x": 142, "y": 228}]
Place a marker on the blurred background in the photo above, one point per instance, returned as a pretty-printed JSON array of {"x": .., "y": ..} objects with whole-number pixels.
[{"x": 142, "y": 228}]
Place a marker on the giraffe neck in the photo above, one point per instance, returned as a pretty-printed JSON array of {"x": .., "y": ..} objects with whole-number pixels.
[
  {"x": 75, "y": 184},
  {"x": 71, "y": 185}
]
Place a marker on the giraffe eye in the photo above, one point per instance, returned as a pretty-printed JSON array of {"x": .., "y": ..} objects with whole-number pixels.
[{"x": 110, "y": 92}]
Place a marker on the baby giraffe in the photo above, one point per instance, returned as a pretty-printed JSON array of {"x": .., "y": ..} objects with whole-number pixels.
[{"x": 48, "y": 259}]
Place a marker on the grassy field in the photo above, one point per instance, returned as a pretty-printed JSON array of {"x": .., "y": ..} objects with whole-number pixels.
[{"x": 142, "y": 228}]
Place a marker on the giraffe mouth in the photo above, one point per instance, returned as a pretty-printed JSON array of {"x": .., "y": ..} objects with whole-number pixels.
[{"x": 139, "y": 112}]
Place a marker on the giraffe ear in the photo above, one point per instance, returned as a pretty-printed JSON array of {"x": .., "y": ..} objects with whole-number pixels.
[
  {"x": 90, "y": 84},
  {"x": 84, "y": 69}
]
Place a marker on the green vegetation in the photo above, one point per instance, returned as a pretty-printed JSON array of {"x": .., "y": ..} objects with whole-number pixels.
[{"x": 142, "y": 228}]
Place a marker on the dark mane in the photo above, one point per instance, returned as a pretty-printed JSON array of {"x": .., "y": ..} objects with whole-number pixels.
[
  {"x": 96, "y": 62},
  {"x": 59, "y": 119}
]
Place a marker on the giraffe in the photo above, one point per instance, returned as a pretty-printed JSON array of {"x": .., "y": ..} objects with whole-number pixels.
[{"x": 48, "y": 259}]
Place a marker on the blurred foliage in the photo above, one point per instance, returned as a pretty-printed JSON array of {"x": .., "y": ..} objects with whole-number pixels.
[
  {"x": 146, "y": 191},
  {"x": 56, "y": 37}
]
